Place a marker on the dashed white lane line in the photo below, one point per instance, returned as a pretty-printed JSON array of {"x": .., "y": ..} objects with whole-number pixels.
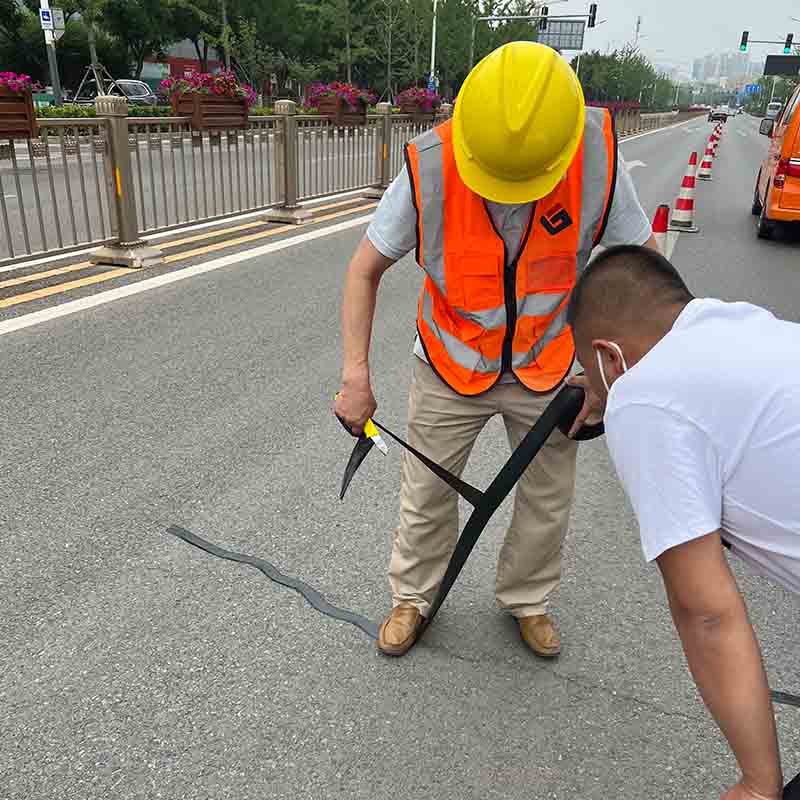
[{"x": 84, "y": 303}]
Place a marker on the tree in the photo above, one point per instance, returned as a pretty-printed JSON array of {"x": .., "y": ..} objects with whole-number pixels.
[
  {"x": 199, "y": 22},
  {"x": 254, "y": 58},
  {"x": 141, "y": 26}
]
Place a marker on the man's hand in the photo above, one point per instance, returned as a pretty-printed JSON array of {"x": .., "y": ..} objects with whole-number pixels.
[
  {"x": 593, "y": 406},
  {"x": 355, "y": 403},
  {"x": 743, "y": 792}
]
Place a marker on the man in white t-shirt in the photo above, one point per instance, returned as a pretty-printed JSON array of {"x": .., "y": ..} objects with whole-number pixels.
[{"x": 703, "y": 424}]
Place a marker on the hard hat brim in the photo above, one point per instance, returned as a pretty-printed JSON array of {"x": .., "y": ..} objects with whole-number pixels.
[{"x": 500, "y": 190}]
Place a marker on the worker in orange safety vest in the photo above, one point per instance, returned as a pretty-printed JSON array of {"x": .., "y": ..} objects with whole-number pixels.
[{"x": 502, "y": 206}]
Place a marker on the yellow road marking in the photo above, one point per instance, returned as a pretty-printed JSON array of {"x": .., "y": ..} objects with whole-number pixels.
[
  {"x": 350, "y": 201},
  {"x": 40, "y": 275},
  {"x": 64, "y": 287},
  {"x": 211, "y": 248}
]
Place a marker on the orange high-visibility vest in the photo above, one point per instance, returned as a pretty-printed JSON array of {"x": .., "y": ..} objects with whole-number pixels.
[{"x": 481, "y": 313}]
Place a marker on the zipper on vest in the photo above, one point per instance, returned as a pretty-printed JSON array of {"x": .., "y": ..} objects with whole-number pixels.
[{"x": 510, "y": 286}]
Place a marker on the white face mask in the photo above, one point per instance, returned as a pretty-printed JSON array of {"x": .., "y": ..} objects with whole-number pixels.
[{"x": 600, "y": 363}]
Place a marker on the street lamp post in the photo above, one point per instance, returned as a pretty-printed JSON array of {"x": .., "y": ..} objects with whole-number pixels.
[
  {"x": 432, "y": 76},
  {"x": 224, "y": 36}
]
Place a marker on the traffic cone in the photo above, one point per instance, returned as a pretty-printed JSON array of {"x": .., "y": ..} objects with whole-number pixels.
[
  {"x": 704, "y": 173},
  {"x": 683, "y": 215},
  {"x": 660, "y": 225}
]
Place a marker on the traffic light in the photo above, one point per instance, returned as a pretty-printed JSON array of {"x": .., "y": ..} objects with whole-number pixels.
[
  {"x": 543, "y": 12},
  {"x": 787, "y": 47},
  {"x": 592, "y": 15},
  {"x": 743, "y": 45}
]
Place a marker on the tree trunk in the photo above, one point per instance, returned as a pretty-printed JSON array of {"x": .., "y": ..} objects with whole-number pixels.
[
  {"x": 348, "y": 56},
  {"x": 139, "y": 56},
  {"x": 204, "y": 59}
]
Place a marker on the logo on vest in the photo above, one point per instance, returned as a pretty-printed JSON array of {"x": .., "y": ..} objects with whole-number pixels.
[{"x": 557, "y": 219}]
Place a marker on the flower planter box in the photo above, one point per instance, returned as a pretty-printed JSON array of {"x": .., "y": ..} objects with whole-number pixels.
[
  {"x": 339, "y": 112},
  {"x": 17, "y": 117},
  {"x": 210, "y": 112},
  {"x": 416, "y": 113}
]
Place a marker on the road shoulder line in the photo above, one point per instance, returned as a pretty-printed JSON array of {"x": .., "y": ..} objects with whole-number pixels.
[{"x": 84, "y": 303}]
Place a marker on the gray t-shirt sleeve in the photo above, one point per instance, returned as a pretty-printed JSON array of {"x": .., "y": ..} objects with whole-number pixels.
[
  {"x": 627, "y": 222},
  {"x": 393, "y": 230}
]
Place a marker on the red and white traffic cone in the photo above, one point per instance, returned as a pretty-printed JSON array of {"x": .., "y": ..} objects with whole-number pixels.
[
  {"x": 704, "y": 173},
  {"x": 683, "y": 215},
  {"x": 660, "y": 226},
  {"x": 666, "y": 237}
]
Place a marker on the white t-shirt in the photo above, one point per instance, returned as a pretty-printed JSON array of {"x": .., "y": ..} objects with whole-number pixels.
[
  {"x": 705, "y": 434},
  {"x": 393, "y": 230}
]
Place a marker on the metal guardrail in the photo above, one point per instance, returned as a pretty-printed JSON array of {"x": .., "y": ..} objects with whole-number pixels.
[
  {"x": 183, "y": 176},
  {"x": 111, "y": 179},
  {"x": 54, "y": 189},
  {"x": 68, "y": 188}
]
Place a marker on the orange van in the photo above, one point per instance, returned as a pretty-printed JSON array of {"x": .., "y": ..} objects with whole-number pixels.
[{"x": 777, "y": 195}]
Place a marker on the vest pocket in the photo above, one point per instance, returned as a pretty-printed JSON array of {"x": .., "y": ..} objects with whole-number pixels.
[
  {"x": 550, "y": 274},
  {"x": 481, "y": 278}
]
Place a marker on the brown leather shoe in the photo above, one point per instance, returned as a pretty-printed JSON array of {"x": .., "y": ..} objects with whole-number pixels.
[
  {"x": 400, "y": 630},
  {"x": 540, "y": 633}
]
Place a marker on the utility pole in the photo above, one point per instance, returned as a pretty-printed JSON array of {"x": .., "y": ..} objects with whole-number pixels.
[
  {"x": 225, "y": 35},
  {"x": 432, "y": 76},
  {"x": 50, "y": 46}
]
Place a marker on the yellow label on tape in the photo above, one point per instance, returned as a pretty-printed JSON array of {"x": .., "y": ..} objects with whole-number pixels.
[{"x": 370, "y": 429}]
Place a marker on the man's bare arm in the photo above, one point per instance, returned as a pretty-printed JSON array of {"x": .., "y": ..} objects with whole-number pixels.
[
  {"x": 724, "y": 656},
  {"x": 356, "y": 402}
]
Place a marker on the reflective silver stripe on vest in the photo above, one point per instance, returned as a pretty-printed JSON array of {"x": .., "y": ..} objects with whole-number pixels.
[
  {"x": 539, "y": 305},
  {"x": 488, "y": 319},
  {"x": 463, "y": 355},
  {"x": 554, "y": 329},
  {"x": 595, "y": 183},
  {"x": 431, "y": 195}
]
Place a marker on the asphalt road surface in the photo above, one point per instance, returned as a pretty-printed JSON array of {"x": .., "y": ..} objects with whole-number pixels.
[{"x": 134, "y": 666}]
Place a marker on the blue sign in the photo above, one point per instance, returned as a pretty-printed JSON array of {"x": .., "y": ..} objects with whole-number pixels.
[
  {"x": 46, "y": 18},
  {"x": 753, "y": 88},
  {"x": 431, "y": 84}
]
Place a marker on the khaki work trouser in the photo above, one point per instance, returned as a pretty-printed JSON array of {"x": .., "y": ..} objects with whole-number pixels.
[{"x": 444, "y": 425}]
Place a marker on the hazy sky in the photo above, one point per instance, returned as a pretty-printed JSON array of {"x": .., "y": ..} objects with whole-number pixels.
[{"x": 686, "y": 29}]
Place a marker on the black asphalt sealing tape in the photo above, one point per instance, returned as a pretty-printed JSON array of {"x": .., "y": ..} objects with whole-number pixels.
[
  {"x": 314, "y": 598},
  {"x": 560, "y": 413}
]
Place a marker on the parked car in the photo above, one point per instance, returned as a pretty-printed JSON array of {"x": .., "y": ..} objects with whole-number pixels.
[
  {"x": 777, "y": 193},
  {"x": 773, "y": 110},
  {"x": 137, "y": 92}
]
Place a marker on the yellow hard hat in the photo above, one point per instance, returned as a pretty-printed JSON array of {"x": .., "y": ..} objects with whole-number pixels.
[{"x": 518, "y": 123}]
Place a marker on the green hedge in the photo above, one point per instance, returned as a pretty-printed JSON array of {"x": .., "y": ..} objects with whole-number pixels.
[{"x": 71, "y": 111}]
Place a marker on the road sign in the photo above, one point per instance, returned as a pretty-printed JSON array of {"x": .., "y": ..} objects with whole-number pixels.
[
  {"x": 563, "y": 34},
  {"x": 58, "y": 22},
  {"x": 752, "y": 88},
  {"x": 782, "y": 65},
  {"x": 46, "y": 19}
]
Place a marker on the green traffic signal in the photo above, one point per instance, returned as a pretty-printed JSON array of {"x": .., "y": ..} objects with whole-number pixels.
[{"x": 743, "y": 45}]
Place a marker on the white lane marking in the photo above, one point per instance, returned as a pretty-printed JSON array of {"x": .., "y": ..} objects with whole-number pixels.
[
  {"x": 742, "y": 134},
  {"x": 217, "y": 223},
  {"x": 633, "y": 164},
  {"x": 657, "y": 130},
  {"x": 12, "y": 196},
  {"x": 74, "y": 306}
]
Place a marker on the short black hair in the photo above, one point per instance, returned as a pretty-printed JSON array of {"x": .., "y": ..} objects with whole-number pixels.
[{"x": 626, "y": 283}]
